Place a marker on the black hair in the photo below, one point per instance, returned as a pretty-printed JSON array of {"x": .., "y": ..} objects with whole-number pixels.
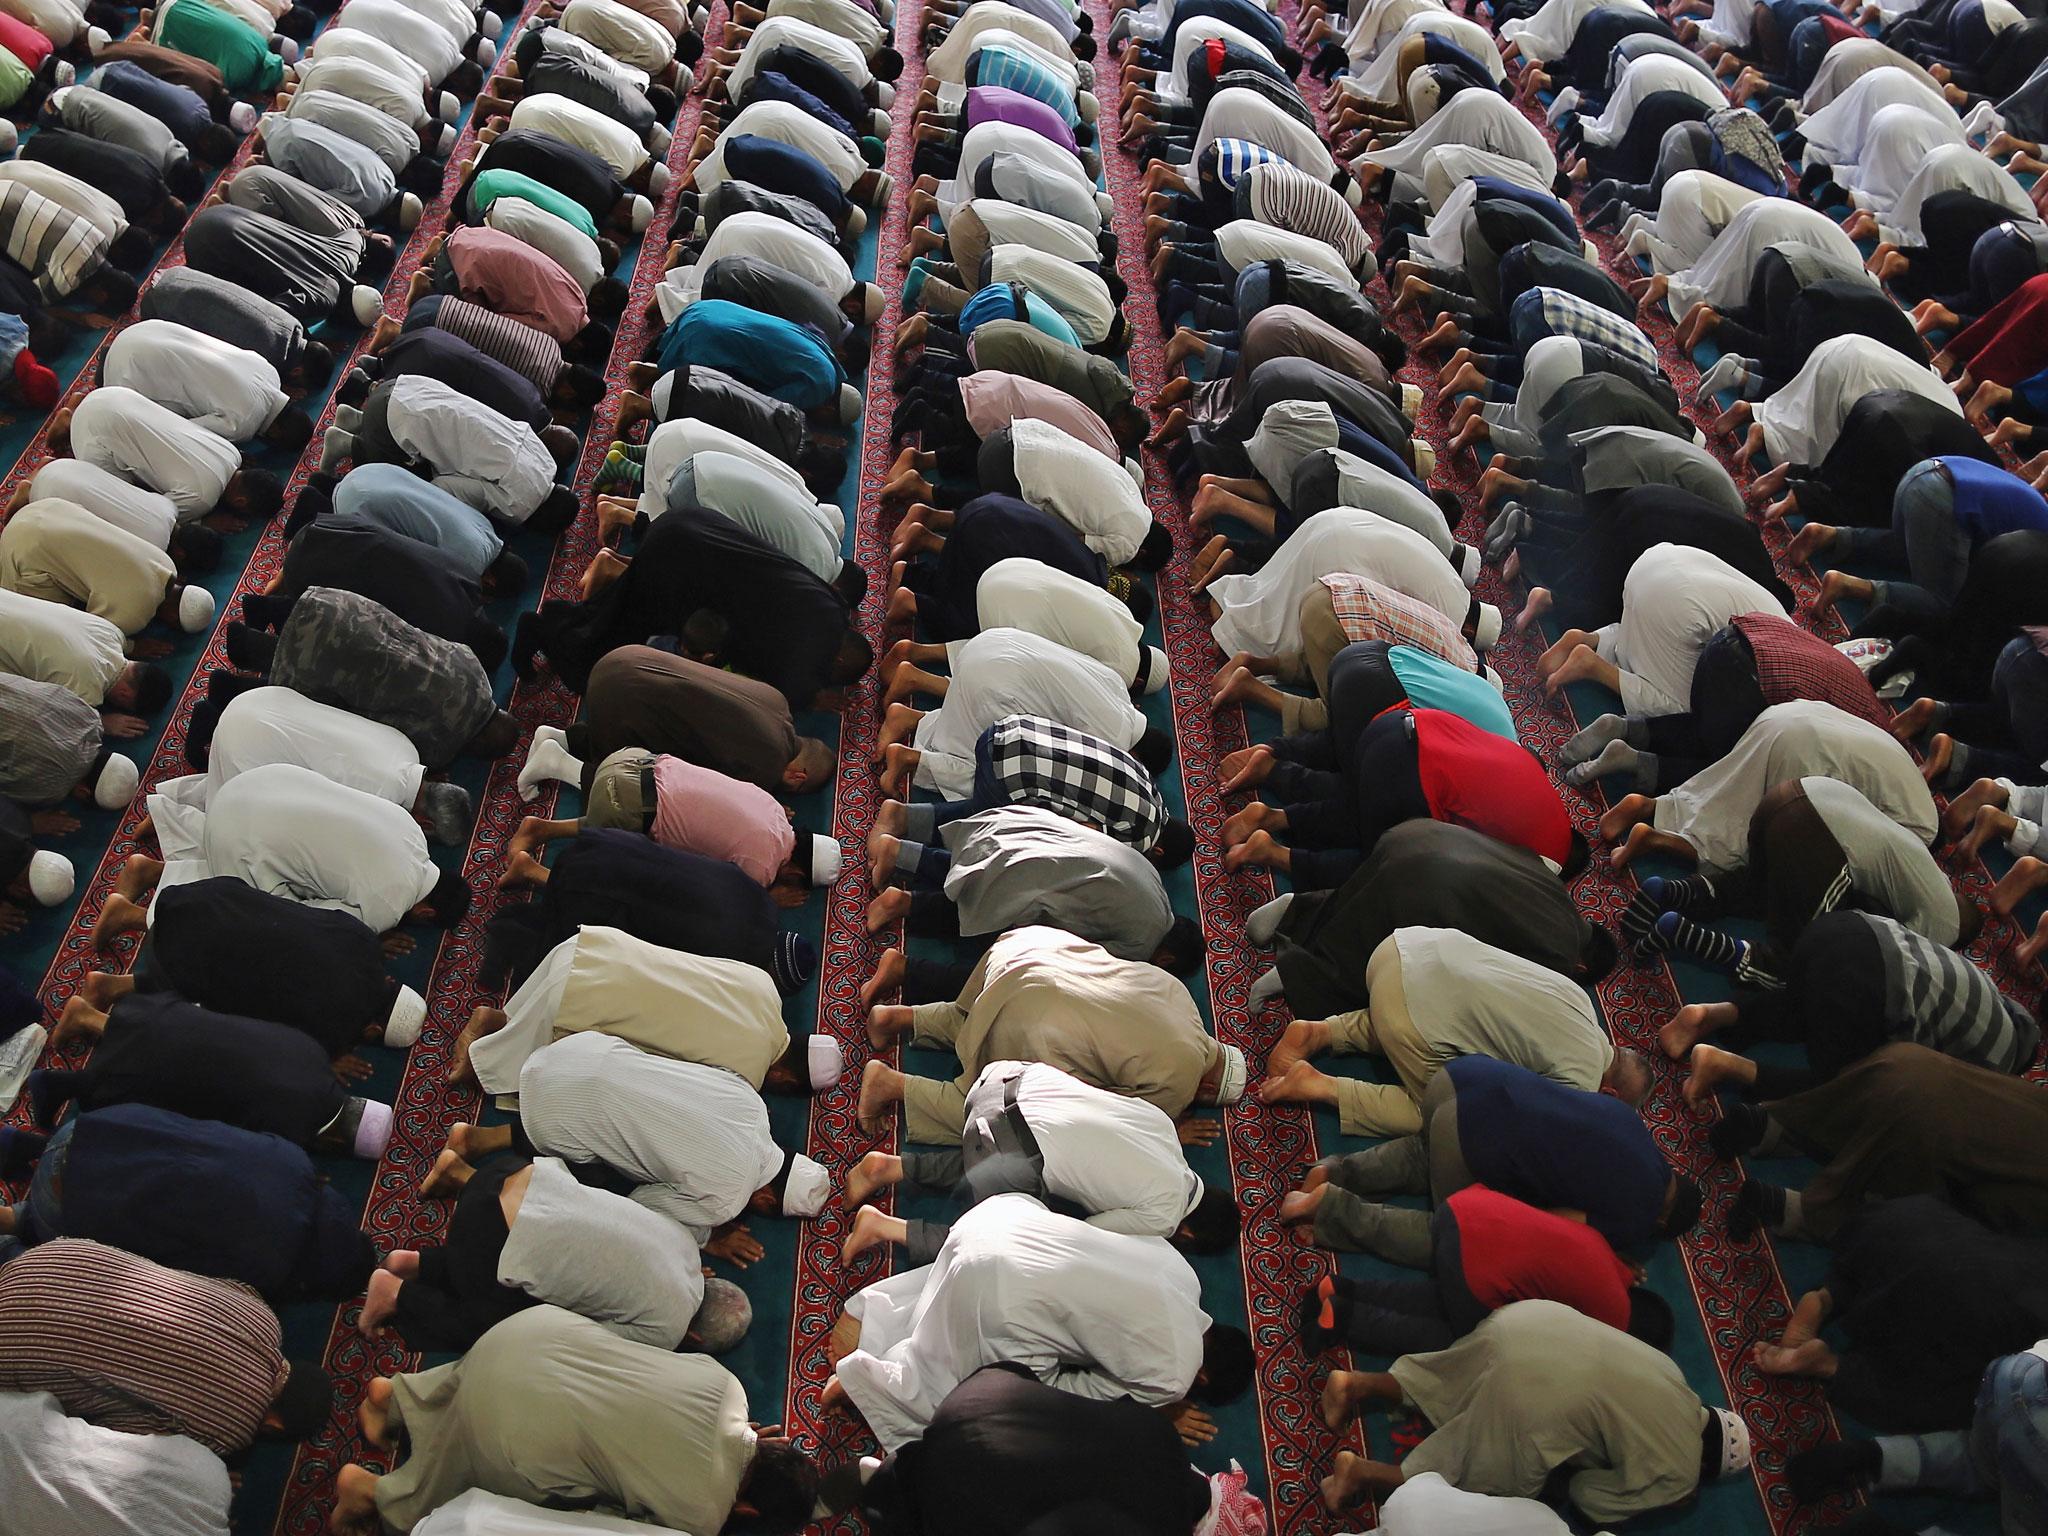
[
  {"x": 315, "y": 358},
  {"x": 497, "y": 736},
  {"x": 821, "y": 467},
  {"x": 315, "y": 500},
  {"x": 887, "y": 64},
  {"x": 1183, "y": 947},
  {"x": 1084, "y": 134},
  {"x": 198, "y": 738},
  {"x": 1140, "y": 601},
  {"x": 1155, "y": 550},
  {"x": 1154, "y": 750},
  {"x": 513, "y": 941},
  {"x": 1128, "y": 424},
  {"x": 1083, "y": 45},
  {"x": 1227, "y": 1365},
  {"x": 130, "y": 248},
  {"x": 1083, "y": 22},
  {"x": 854, "y": 657},
  {"x": 664, "y": 102},
  {"x": 1577, "y": 857},
  {"x": 556, "y": 512},
  {"x": 216, "y": 142},
  {"x": 487, "y": 641},
  {"x": 1176, "y": 844},
  {"x": 262, "y": 494},
  {"x": 1119, "y": 290},
  {"x": 1597, "y": 955},
  {"x": 195, "y": 547},
  {"x": 1686, "y": 1201},
  {"x": 152, "y": 688},
  {"x": 579, "y": 385},
  {"x": 1212, "y": 1226},
  {"x": 851, "y": 583},
  {"x": 608, "y": 251},
  {"x": 689, "y": 49},
  {"x": 1288, "y": 59},
  {"x": 1649, "y": 1318},
  {"x": 781, "y": 1487},
  {"x": 593, "y": 342},
  {"x": 607, "y": 297},
  {"x": 306, "y": 1402},
  {"x": 705, "y": 633},
  {"x": 423, "y": 175},
  {"x": 1390, "y": 349},
  {"x": 297, "y": 23},
  {"x": 506, "y": 574},
  {"x": 292, "y": 430},
  {"x": 449, "y": 899},
  {"x": 465, "y": 79},
  {"x": 121, "y": 289}
]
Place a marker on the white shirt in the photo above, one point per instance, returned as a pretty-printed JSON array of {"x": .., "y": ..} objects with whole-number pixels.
[
  {"x": 1900, "y": 137},
  {"x": 226, "y": 389},
  {"x": 1009, "y": 672},
  {"x": 684, "y": 438},
  {"x": 1060, "y": 474},
  {"x": 60, "y": 22},
  {"x": 1243, "y": 242},
  {"x": 1361, "y": 483},
  {"x": 840, "y": 16},
  {"x": 1076, "y": 291},
  {"x": 1241, "y": 113},
  {"x": 1673, "y": 600},
  {"x": 297, "y": 834},
  {"x": 984, "y": 141},
  {"x": 948, "y": 61},
  {"x": 792, "y": 521},
  {"x": 1095, "y": 1313},
  {"x": 1014, "y": 224},
  {"x": 1042, "y": 179},
  {"x": 1547, "y": 34},
  {"x": 1262, "y": 610},
  {"x": 367, "y": 48},
  {"x": 1027, "y": 594},
  {"x": 1722, "y": 274},
  {"x": 786, "y": 124},
  {"x": 1712, "y": 809},
  {"x": 1953, "y": 168},
  {"x": 368, "y": 81},
  {"x": 1647, "y": 76},
  {"x": 133, "y": 435},
  {"x": 694, "y": 1139},
  {"x": 1429, "y": 1506},
  {"x": 574, "y": 123},
  {"x": 145, "y": 513},
  {"x": 565, "y": 45},
  {"x": 55, "y": 643},
  {"x": 492, "y": 462},
  {"x": 550, "y": 234},
  {"x": 845, "y": 57},
  {"x": 62, "y": 1476},
  {"x": 766, "y": 237},
  {"x": 1117, "y": 1157},
  {"x": 415, "y": 33},
  {"x": 281, "y": 725},
  {"x": 1802, "y": 420},
  {"x": 1835, "y": 133},
  {"x": 625, "y": 34},
  {"x": 1470, "y": 120},
  {"x": 69, "y": 193},
  {"x": 477, "y": 1513},
  {"x": 1469, "y": 999}
]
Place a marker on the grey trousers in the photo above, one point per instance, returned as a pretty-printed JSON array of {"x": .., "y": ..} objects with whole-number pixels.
[{"x": 1431, "y": 1163}]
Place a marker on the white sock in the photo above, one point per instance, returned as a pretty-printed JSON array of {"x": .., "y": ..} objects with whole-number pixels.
[
  {"x": 549, "y": 759},
  {"x": 1590, "y": 742},
  {"x": 1265, "y": 921}
]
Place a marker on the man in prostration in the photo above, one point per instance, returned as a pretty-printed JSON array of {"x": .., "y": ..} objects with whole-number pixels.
[
  {"x": 60, "y": 552},
  {"x": 1043, "y": 995},
  {"x": 550, "y": 1406},
  {"x": 1437, "y": 994},
  {"x": 83, "y": 654},
  {"x": 1535, "y": 1389},
  {"x": 1036, "y": 1129},
  {"x": 1099, "y": 1314}
]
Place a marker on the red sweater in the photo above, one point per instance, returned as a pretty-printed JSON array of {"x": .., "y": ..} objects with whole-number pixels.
[
  {"x": 1515, "y": 1252},
  {"x": 1479, "y": 780}
]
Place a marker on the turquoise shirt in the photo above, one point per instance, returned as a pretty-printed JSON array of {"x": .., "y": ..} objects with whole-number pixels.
[{"x": 1433, "y": 683}]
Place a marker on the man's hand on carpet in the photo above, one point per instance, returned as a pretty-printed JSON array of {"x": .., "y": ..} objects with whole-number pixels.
[
  {"x": 352, "y": 1068},
  {"x": 1194, "y": 1426},
  {"x": 124, "y": 727},
  {"x": 1200, "y": 1132},
  {"x": 736, "y": 1245}
]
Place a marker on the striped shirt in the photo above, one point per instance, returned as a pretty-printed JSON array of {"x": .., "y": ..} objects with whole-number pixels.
[
  {"x": 1015, "y": 70},
  {"x": 59, "y": 247},
  {"x": 1367, "y": 610},
  {"x": 49, "y": 740},
  {"x": 1235, "y": 159},
  {"x": 1034, "y": 761},
  {"x": 1289, "y": 198},
  {"x": 519, "y": 346},
  {"x": 1937, "y": 998},
  {"x": 131, "y": 1345}
]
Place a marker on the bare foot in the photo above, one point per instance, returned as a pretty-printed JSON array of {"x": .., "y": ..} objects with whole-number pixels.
[
  {"x": 449, "y": 1173},
  {"x": 78, "y": 1021},
  {"x": 2027, "y": 875},
  {"x": 521, "y": 870},
  {"x": 1298, "y": 1208},
  {"x": 1537, "y": 605},
  {"x": 118, "y": 917},
  {"x": 871, "y": 1229},
  {"x": 1299, "y": 1084},
  {"x": 1810, "y": 1358},
  {"x": 1712, "y": 1069},
  {"x": 2027, "y": 953},
  {"x": 1684, "y": 1031},
  {"x": 1911, "y": 723},
  {"x": 1940, "y": 752},
  {"x": 1302, "y": 1039},
  {"x": 887, "y": 909},
  {"x": 103, "y": 989},
  {"x": 1961, "y": 815},
  {"x": 877, "y": 1170},
  {"x": 887, "y": 978},
  {"x": 483, "y": 1020},
  {"x": 1990, "y": 825},
  {"x": 881, "y": 1089},
  {"x": 1629, "y": 811},
  {"x": 378, "y": 1304},
  {"x": 1247, "y": 767},
  {"x": 1344, "y": 1393},
  {"x": 1240, "y": 825},
  {"x": 374, "y": 1414},
  {"x": 888, "y": 1024},
  {"x": 1259, "y": 851}
]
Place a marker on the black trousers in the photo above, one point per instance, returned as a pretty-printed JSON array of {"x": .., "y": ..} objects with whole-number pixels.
[
  {"x": 455, "y": 1298},
  {"x": 1726, "y": 699}
]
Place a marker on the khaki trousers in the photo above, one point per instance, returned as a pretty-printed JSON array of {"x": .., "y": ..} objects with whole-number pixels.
[
  {"x": 935, "y": 1110},
  {"x": 1322, "y": 637},
  {"x": 1383, "y": 1028}
]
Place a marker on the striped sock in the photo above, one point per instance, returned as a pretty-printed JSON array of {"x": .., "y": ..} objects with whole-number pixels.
[{"x": 1679, "y": 934}]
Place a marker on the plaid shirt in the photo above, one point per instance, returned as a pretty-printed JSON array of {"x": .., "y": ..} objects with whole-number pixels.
[
  {"x": 1545, "y": 312},
  {"x": 1369, "y": 611},
  {"x": 1015, "y": 70},
  {"x": 1034, "y": 761},
  {"x": 1792, "y": 664}
]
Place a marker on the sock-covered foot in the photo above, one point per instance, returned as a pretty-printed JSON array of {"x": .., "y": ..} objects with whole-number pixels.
[
  {"x": 549, "y": 759},
  {"x": 1661, "y": 894},
  {"x": 1757, "y": 1204},
  {"x": 1833, "y": 1468},
  {"x": 1268, "y": 988},
  {"x": 1739, "y": 1131},
  {"x": 1594, "y": 739},
  {"x": 449, "y": 812},
  {"x": 1679, "y": 934},
  {"x": 1615, "y": 757},
  {"x": 1265, "y": 921},
  {"x": 19, "y": 1150}
]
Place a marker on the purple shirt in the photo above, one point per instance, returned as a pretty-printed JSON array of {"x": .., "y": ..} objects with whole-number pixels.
[{"x": 997, "y": 104}]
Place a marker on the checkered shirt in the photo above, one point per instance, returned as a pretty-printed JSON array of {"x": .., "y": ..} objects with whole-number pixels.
[
  {"x": 1553, "y": 312},
  {"x": 1366, "y": 610},
  {"x": 1039, "y": 762},
  {"x": 1792, "y": 664}
]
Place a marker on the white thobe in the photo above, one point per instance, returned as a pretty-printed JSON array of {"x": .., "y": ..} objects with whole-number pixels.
[
  {"x": 68, "y": 193},
  {"x": 621, "y": 32},
  {"x": 1076, "y": 291},
  {"x": 1014, "y": 224},
  {"x": 1376, "y": 80},
  {"x": 66, "y": 1476},
  {"x": 786, "y": 124},
  {"x": 1693, "y": 208},
  {"x": 1241, "y": 113},
  {"x": 684, "y": 1007},
  {"x": 1099, "y": 1314},
  {"x": 765, "y": 237},
  {"x": 281, "y": 725},
  {"x": 1802, "y": 420},
  {"x": 451, "y": 16},
  {"x": 1900, "y": 137},
  {"x": 550, "y": 234},
  {"x": 145, "y": 513},
  {"x": 1060, "y": 474},
  {"x": 1469, "y": 121},
  {"x": 296, "y": 833},
  {"x": 1027, "y": 594},
  {"x": 984, "y": 141},
  {"x": 369, "y": 49},
  {"x": 1262, "y": 610},
  {"x": 1426, "y": 1505},
  {"x": 1374, "y": 24},
  {"x": 1953, "y": 168},
  {"x": 841, "y": 16},
  {"x": 131, "y": 434},
  {"x": 574, "y": 123},
  {"x": 694, "y": 1139},
  {"x": 1849, "y": 61},
  {"x": 351, "y": 74},
  {"x": 1712, "y": 809},
  {"x": 228, "y": 390},
  {"x": 1651, "y": 74},
  {"x": 415, "y": 33},
  {"x": 477, "y": 1513},
  {"x": 673, "y": 442},
  {"x": 489, "y": 461},
  {"x": 1546, "y": 35},
  {"x": 1836, "y": 133},
  {"x": 795, "y": 522},
  {"x": 55, "y": 643},
  {"x": 1672, "y": 602},
  {"x": 1010, "y": 672},
  {"x": 61, "y": 553},
  {"x": 1722, "y": 274},
  {"x": 1245, "y": 242},
  {"x": 1116, "y": 1157},
  {"x": 1171, "y": 83},
  {"x": 843, "y": 56}
]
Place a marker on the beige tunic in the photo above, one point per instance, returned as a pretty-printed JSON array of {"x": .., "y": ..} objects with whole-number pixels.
[
  {"x": 1538, "y": 1386},
  {"x": 557, "y": 1410},
  {"x": 59, "y": 551},
  {"x": 54, "y": 643},
  {"x": 1042, "y": 995}
]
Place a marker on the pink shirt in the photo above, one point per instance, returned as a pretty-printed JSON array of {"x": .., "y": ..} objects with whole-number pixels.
[
  {"x": 994, "y": 400},
  {"x": 702, "y": 811},
  {"x": 511, "y": 277}
]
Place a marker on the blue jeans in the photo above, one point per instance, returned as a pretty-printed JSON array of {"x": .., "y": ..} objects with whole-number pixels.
[
  {"x": 41, "y": 1216},
  {"x": 2002, "y": 1455}
]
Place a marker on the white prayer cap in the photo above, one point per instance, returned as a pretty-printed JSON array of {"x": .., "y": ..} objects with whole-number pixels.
[
  {"x": 407, "y": 1018},
  {"x": 806, "y": 1187},
  {"x": 871, "y": 297},
  {"x": 490, "y": 23},
  {"x": 10, "y": 138},
  {"x": 822, "y": 857},
  {"x": 657, "y": 179},
  {"x": 284, "y": 47},
  {"x": 1734, "y": 1443},
  {"x": 659, "y": 395},
  {"x": 643, "y": 213},
  {"x": 56, "y": 98},
  {"x": 1468, "y": 565},
  {"x": 367, "y": 304},
  {"x": 701, "y": 228},
  {"x": 849, "y": 404},
  {"x": 1485, "y": 627},
  {"x": 659, "y": 142},
  {"x": 885, "y": 95},
  {"x": 486, "y": 54},
  {"x": 1411, "y": 400},
  {"x": 195, "y": 609},
  {"x": 1153, "y": 670},
  {"x": 448, "y": 108},
  {"x": 50, "y": 877},
  {"x": 373, "y": 1130},
  {"x": 1231, "y": 1088},
  {"x": 243, "y": 117},
  {"x": 115, "y": 786},
  {"x": 856, "y": 223},
  {"x": 446, "y": 143},
  {"x": 97, "y": 39},
  {"x": 1425, "y": 460},
  {"x": 880, "y": 124},
  {"x": 827, "y": 1058},
  {"x": 409, "y": 210}
]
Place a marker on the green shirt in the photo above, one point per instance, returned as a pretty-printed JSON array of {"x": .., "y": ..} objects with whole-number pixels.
[
  {"x": 230, "y": 44},
  {"x": 15, "y": 79},
  {"x": 492, "y": 185}
]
